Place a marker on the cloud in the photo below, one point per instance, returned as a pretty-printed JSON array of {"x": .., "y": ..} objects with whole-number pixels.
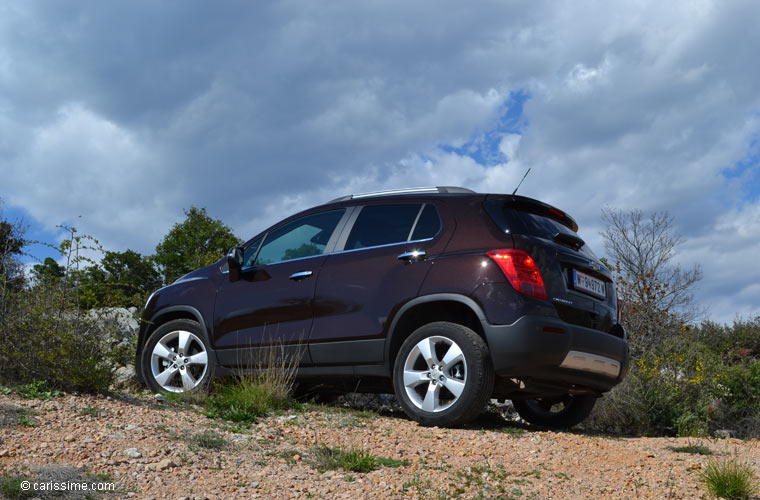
[{"x": 127, "y": 113}]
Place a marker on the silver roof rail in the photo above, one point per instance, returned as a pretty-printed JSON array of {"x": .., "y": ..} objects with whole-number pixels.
[{"x": 418, "y": 190}]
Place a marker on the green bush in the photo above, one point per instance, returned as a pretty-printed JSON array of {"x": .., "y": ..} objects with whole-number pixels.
[
  {"x": 45, "y": 335},
  {"x": 691, "y": 384},
  {"x": 730, "y": 479}
]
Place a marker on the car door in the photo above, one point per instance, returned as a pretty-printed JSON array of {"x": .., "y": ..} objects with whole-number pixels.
[
  {"x": 380, "y": 262},
  {"x": 272, "y": 302}
]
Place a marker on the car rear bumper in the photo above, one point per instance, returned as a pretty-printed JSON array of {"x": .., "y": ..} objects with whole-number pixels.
[{"x": 551, "y": 351}]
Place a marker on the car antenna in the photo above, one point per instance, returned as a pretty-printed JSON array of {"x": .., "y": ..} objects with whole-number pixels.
[{"x": 521, "y": 181}]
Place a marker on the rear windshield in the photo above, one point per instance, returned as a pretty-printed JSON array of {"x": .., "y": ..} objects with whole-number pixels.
[{"x": 524, "y": 221}]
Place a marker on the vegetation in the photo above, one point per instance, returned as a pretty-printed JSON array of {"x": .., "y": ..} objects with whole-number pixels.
[
  {"x": 246, "y": 398},
  {"x": 692, "y": 449},
  {"x": 685, "y": 379},
  {"x": 209, "y": 440},
  {"x": 53, "y": 329},
  {"x": 324, "y": 458},
  {"x": 196, "y": 242},
  {"x": 10, "y": 486},
  {"x": 730, "y": 479},
  {"x": 655, "y": 296},
  {"x": 45, "y": 335}
]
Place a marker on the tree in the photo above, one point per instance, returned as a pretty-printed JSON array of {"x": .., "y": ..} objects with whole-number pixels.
[
  {"x": 48, "y": 272},
  {"x": 120, "y": 279},
  {"x": 656, "y": 296},
  {"x": 196, "y": 242},
  {"x": 12, "y": 245}
]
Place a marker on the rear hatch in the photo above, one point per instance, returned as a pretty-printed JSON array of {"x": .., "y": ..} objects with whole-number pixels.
[{"x": 579, "y": 286}]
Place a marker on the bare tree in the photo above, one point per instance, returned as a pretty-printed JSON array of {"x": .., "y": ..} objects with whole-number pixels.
[{"x": 656, "y": 295}]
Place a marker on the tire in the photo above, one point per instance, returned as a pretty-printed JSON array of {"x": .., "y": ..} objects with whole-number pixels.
[
  {"x": 169, "y": 367},
  {"x": 443, "y": 375},
  {"x": 560, "y": 412}
]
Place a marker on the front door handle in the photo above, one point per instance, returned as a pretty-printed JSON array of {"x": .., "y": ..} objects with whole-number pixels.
[
  {"x": 412, "y": 256},
  {"x": 300, "y": 275}
]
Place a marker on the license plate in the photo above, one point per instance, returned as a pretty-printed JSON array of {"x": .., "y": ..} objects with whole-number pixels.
[{"x": 589, "y": 284}]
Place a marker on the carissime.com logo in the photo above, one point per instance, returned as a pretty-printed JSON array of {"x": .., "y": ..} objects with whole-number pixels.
[{"x": 67, "y": 486}]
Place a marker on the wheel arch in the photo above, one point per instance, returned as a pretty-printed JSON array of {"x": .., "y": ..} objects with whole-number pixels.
[{"x": 452, "y": 307}]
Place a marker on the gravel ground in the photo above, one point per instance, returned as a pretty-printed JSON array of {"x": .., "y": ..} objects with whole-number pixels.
[{"x": 159, "y": 450}]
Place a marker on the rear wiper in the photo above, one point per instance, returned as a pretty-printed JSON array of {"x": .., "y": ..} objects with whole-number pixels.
[{"x": 570, "y": 240}]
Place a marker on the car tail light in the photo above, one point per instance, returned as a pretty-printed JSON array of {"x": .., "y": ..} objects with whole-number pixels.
[
  {"x": 521, "y": 271},
  {"x": 619, "y": 316}
]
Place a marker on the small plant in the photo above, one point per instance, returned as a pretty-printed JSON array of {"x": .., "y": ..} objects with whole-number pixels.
[
  {"x": 92, "y": 411},
  {"x": 209, "y": 440},
  {"x": 391, "y": 462},
  {"x": 10, "y": 486},
  {"x": 730, "y": 479},
  {"x": 694, "y": 449},
  {"x": 25, "y": 421},
  {"x": 324, "y": 458},
  {"x": 37, "y": 389},
  {"x": 268, "y": 387}
]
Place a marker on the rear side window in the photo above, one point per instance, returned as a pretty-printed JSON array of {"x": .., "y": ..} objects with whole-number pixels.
[
  {"x": 428, "y": 223},
  {"x": 387, "y": 224}
]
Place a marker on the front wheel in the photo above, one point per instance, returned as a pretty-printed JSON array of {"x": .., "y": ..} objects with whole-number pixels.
[
  {"x": 176, "y": 358},
  {"x": 561, "y": 412},
  {"x": 443, "y": 374}
]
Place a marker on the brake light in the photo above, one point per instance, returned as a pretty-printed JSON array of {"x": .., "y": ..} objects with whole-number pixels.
[
  {"x": 619, "y": 316},
  {"x": 521, "y": 271}
]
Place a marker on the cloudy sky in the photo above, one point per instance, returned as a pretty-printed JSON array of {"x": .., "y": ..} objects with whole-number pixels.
[{"x": 114, "y": 116}]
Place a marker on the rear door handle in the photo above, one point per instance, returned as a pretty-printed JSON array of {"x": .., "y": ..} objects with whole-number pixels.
[
  {"x": 300, "y": 275},
  {"x": 412, "y": 256}
]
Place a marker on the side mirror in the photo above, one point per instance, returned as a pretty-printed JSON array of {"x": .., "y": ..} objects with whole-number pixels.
[{"x": 235, "y": 262}]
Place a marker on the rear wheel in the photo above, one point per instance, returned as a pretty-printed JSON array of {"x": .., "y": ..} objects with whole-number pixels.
[
  {"x": 559, "y": 412},
  {"x": 443, "y": 374},
  {"x": 176, "y": 359}
]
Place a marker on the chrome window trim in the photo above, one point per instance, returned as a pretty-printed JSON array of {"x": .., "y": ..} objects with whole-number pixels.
[
  {"x": 383, "y": 246},
  {"x": 414, "y": 224}
]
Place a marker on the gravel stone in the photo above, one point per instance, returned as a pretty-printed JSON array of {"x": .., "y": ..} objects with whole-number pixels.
[{"x": 464, "y": 463}]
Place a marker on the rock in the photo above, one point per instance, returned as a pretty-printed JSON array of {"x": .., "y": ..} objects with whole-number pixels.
[
  {"x": 124, "y": 377},
  {"x": 132, "y": 453},
  {"x": 159, "y": 397},
  {"x": 725, "y": 433},
  {"x": 162, "y": 465}
]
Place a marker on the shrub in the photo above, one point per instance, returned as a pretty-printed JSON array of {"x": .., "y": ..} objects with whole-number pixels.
[
  {"x": 730, "y": 479},
  {"x": 267, "y": 387},
  {"x": 10, "y": 486},
  {"x": 45, "y": 335}
]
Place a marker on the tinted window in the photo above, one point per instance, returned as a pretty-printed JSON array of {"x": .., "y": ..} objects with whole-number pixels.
[
  {"x": 303, "y": 237},
  {"x": 250, "y": 253},
  {"x": 518, "y": 221},
  {"x": 381, "y": 225},
  {"x": 428, "y": 224}
]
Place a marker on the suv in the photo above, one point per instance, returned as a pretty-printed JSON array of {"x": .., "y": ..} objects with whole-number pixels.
[{"x": 444, "y": 296}]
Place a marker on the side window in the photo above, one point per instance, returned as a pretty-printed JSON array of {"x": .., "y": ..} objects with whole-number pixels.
[
  {"x": 302, "y": 237},
  {"x": 428, "y": 224},
  {"x": 381, "y": 225},
  {"x": 250, "y": 252}
]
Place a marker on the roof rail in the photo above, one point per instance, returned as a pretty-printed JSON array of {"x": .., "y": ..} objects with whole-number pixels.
[{"x": 418, "y": 190}]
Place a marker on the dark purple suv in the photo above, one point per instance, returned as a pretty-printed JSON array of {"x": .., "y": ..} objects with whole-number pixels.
[{"x": 444, "y": 296}]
